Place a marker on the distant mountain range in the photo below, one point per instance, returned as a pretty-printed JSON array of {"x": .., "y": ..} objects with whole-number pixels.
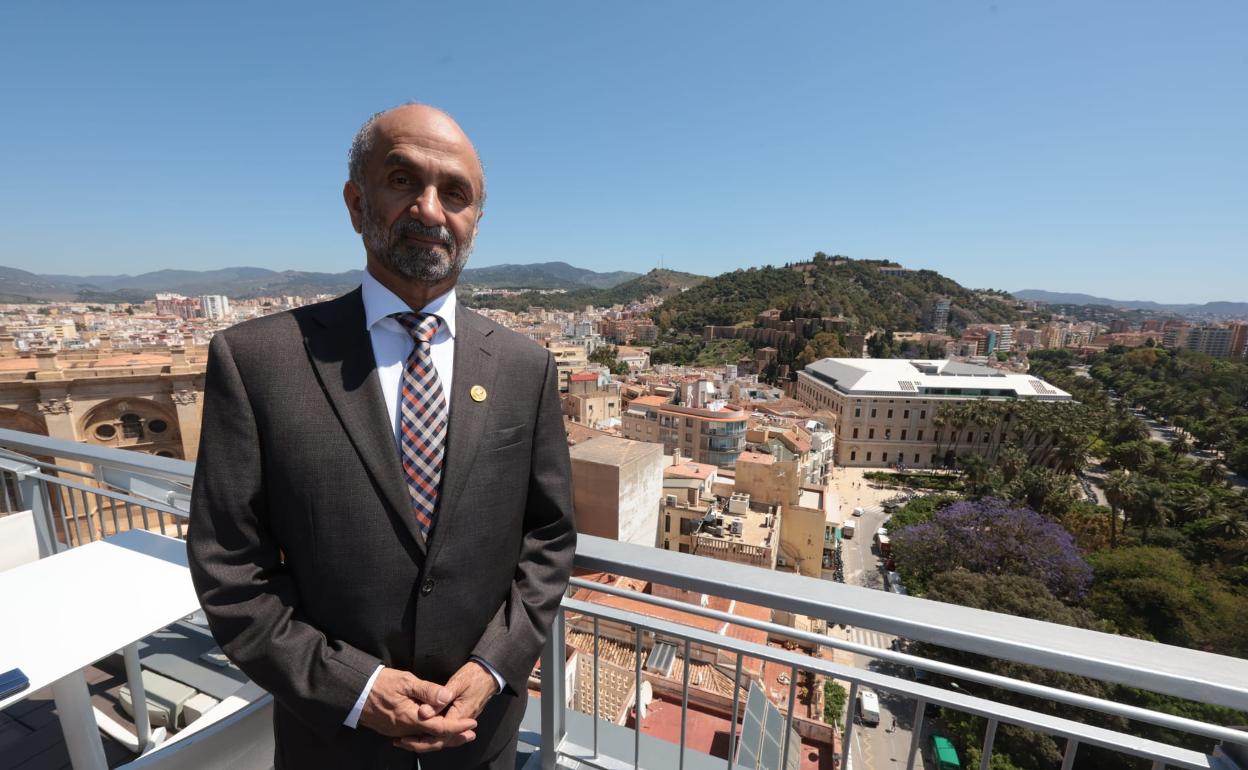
[
  {"x": 1208, "y": 309},
  {"x": 243, "y": 282}
]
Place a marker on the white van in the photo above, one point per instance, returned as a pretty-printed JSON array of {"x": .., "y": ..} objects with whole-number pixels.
[
  {"x": 847, "y": 530},
  {"x": 868, "y": 707}
]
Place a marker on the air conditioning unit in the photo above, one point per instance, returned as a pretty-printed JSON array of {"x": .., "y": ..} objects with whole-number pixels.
[
  {"x": 736, "y": 528},
  {"x": 671, "y": 499}
]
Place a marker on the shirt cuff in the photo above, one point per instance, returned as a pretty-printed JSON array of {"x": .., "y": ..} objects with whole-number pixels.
[
  {"x": 353, "y": 718},
  {"x": 498, "y": 678}
]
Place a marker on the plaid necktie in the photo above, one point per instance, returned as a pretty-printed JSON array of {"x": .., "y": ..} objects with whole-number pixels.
[{"x": 422, "y": 419}]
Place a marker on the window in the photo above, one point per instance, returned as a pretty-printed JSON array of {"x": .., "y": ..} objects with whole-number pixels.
[
  {"x": 157, "y": 426},
  {"x": 884, "y": 458},
  {"x": 105, "y": 432},
  {"x": 853, "y": 456},
  {"x": 667, "y": 544},
  {"x": 890, "y": 414},
  {"x": 903, "y": 434},
  {"x": 888, "y": 434},
  {"x": 684, "y": 548},
  {"x": 857, "y": 411},
  {"x": 873, "y": 413},
  {"x": 868, "y": 457},
  {"x": 970, "y": 437},
  {"x": 919, "y": 436},
  {"x": 905, "y": 415},
  {"x": 870, "y": 432},
  {"x": 987, "y": 435},
  {"x": 131, "y": 426},
  {"x": 922, "y": 414},
  {"x": 667, "y": 522},
  {"x": 855, "y": 433},
  {"x": 916, "y": 458}
]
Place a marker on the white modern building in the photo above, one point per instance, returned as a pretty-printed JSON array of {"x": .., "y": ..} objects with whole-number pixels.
[{"x": 887, "y": 407}]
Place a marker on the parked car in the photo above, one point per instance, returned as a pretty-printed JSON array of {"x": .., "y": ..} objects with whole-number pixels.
[{"x": 859, "y": 511}]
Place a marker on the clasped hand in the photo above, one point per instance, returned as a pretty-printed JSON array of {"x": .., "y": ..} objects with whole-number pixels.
[{"x": 425, "y": 716}]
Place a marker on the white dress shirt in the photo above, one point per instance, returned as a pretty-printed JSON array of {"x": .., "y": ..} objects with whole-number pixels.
[{"x": 392, "y": 344}]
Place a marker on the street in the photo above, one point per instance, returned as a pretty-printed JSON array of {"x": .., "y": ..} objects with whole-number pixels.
[{"x": 880, "y": 747}]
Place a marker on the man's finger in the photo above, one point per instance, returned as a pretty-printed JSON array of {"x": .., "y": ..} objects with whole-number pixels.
[
  {"x": 422, "y": 743},
  {"x": 428, "y": 692},
  {"x": 442, "y": 726}
]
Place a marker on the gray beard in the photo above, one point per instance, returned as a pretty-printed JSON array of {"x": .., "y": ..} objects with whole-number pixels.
[{"x": 420, "y": 263}]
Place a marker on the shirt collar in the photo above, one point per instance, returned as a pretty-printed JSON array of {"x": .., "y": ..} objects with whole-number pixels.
[{"x": 380, "y": 303}]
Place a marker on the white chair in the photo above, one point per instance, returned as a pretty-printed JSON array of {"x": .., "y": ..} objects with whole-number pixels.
[
  {"x": 18, "y": 544},
  {"x": 236, "y": 734}
]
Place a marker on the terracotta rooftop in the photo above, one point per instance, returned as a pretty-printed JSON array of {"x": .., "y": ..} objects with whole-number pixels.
[
  {"x": 689, "y": 470},
  {"x": 650, "y": 400},
  {"x": 756, "y": 457}
]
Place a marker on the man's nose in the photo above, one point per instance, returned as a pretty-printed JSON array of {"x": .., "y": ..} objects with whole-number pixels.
[{"x": 427, "y": 209}]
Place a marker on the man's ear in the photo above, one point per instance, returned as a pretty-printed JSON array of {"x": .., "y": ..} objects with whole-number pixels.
[{"x": 354, "y": 199}]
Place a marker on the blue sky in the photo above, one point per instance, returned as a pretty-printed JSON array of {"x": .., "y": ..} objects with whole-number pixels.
[{"x": 1077, "y": 146}]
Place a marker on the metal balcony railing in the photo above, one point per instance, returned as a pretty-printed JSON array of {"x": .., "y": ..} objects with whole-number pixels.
[{"x": 79, "y": 493}]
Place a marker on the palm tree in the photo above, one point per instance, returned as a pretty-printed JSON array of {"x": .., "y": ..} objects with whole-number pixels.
[
  {"x": 1181, "y": 445},
  {"x": 976, "y": 469},
  {"x": 1214, "y": 473},
  {"x": 1150, "y": 508},
  {"x": 1197, "y": 503},
  {"x": 1228, "y": 523},
  {"x": 1119, "y": 488}
]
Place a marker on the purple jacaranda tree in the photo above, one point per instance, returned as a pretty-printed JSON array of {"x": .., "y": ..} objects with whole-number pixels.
[{"x": 991, "y": 537}]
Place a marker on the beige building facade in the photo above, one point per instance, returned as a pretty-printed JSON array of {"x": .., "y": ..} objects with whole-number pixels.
[
  {"x": 593, "y": 399},
  {"x": 886, "y": 408},
  {"x": 147, "y": 400},
  {"x": 617, "y": 487}
]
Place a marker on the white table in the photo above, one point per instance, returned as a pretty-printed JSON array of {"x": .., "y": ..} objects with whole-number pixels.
[{"x": 65, "y": 612}]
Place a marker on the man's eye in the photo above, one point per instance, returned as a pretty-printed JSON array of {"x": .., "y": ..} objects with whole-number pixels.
[{"x": 400, "y": 179}]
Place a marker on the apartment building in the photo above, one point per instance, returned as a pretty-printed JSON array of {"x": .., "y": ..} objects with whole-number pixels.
[
  {"x": 593, "y": 399},
  {"x": 714, "y": 435},
  {"x": 1219, "y": 341},
  {"x": 887, "y": 407}
]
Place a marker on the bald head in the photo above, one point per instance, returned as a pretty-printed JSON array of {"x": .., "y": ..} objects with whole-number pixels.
[{"x": 389, "y": 126}]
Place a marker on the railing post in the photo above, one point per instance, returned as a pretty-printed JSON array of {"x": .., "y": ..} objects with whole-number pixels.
[
  {"x": 30, "y": 492},
  {"x": 848, "y": 735},
  {"x": 554, "y": 698}
]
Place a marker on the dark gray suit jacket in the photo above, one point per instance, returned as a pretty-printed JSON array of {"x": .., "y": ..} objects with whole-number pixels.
[{"x": 304, "y": 550}]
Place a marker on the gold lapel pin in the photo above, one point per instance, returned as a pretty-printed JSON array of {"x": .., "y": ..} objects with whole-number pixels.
[{"x": 478, "y": 393}]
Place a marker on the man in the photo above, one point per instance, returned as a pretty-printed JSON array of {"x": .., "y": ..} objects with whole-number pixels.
[{"x": 381, "y": 526}]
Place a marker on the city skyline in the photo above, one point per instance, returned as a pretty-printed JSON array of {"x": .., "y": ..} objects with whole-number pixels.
[{"x": 1064, "y": 148}]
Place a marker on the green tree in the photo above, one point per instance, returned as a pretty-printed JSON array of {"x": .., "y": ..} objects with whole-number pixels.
[
  {"x": 608, "y": 356},
  {"x": 823, "y": 345},
  {"x": 834, "y": 697}
]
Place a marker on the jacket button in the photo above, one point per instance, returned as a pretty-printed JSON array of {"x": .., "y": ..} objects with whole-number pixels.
[{"x": 427, "y": 587}]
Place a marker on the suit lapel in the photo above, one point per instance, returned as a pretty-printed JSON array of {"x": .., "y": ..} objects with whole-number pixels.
[
  {"x": 341, "y": 350},
  {"x": 474, "y": 365}
]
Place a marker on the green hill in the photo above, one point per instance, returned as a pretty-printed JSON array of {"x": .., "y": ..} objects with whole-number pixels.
[
  {"x": 832, "y": 286},
  {"x": 665, "y": 283}
]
